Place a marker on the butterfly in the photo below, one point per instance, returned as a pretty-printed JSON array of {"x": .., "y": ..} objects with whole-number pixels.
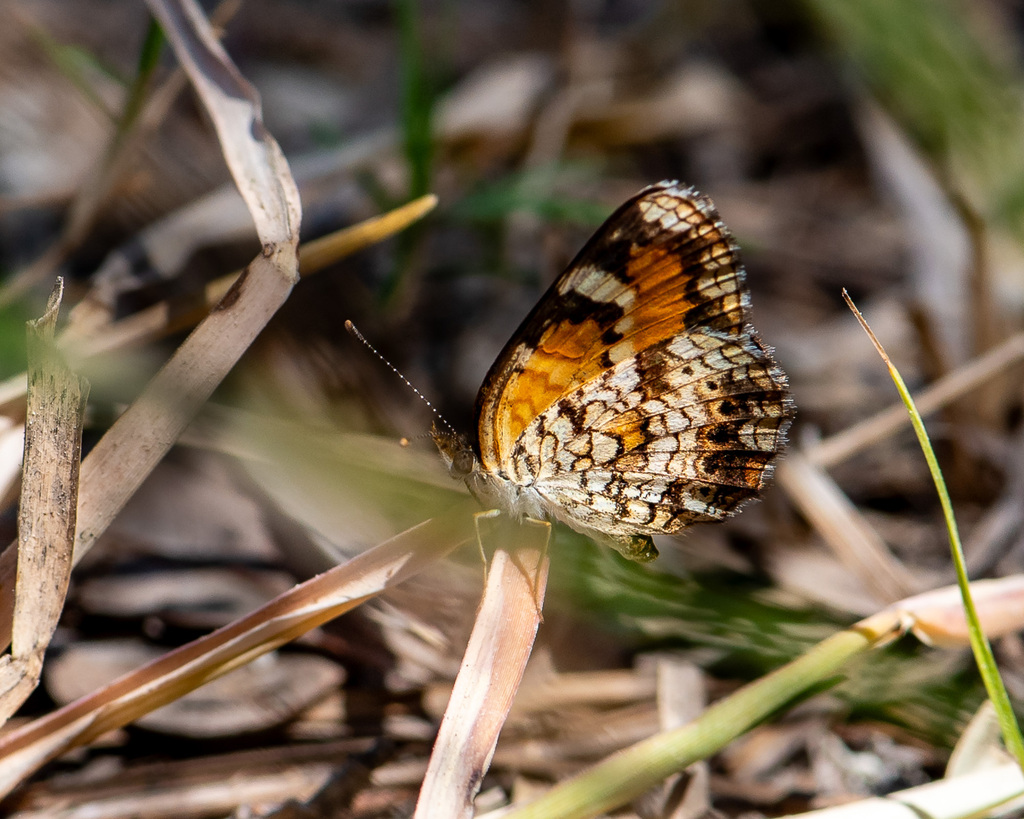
[{"x": 635, "y": 399}]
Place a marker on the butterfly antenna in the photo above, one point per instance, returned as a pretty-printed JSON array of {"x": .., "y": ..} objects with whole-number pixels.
[{"x": 355, "y": 332}]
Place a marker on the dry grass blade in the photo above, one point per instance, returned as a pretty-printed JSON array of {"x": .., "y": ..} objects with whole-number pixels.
[
  {"x": 327, "y": 250},
  {"x": 143, "y": 434},
  {"x": 49, "y": 493},
  {"x": 280, "y": 621},
  {"x": 158, "y": 321},
  {"x": 253, "y": 156},
  {"x": 492, "y": 668},
  {"x": 89, "y": 337}
]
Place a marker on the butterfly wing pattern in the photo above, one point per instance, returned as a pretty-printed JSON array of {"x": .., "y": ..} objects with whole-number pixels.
[{"x": 635, "y": 399}]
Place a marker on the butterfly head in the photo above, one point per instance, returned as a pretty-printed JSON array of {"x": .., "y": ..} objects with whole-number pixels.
[{"x": 456, "y": 451}]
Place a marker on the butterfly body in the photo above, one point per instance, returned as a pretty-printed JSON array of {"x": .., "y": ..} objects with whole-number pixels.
[{"x": 635, "y": 399}]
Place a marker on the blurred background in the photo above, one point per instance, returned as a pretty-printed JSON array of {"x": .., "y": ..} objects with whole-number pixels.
[{"x": 873, "y": 146}]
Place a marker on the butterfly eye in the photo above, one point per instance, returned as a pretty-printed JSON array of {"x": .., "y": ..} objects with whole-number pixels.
[{"x": 463, "y": 463}]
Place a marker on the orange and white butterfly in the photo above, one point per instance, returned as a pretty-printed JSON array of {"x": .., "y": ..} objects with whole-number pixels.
[{"x": 635, "y": 399}]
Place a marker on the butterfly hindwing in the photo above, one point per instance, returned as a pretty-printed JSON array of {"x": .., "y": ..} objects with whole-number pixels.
[{"x": 627, "y": 454}]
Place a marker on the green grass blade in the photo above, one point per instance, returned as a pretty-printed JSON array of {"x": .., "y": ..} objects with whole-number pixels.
[
  {"x": 979, "y": 642},
  {"x": 149, "y": 59},
  {"x": 417, "y": 94},
  {"x": 417, "y": 99}
]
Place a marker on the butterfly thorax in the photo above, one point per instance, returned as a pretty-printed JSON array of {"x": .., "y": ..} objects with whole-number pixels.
[{"x": 492, "y": 489}]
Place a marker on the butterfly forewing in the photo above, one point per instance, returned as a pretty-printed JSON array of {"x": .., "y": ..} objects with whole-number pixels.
[{"x": 660, "y": 266}]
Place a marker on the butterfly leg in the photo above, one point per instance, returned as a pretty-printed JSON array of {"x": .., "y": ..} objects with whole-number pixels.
[{"x": 478, "y": 518}]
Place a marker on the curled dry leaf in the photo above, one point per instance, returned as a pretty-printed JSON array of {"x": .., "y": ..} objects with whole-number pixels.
[
  {"x": 49, "y": 494},
  {"x": 937, "y": 617}
]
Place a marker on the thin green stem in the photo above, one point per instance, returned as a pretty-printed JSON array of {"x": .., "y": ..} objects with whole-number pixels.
[
  {"x": 149, "y": 59},
  {"x": 417, "y": 102},
  {"x": 979, "y": 642},
  {"x": 629, "y": 773}
]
